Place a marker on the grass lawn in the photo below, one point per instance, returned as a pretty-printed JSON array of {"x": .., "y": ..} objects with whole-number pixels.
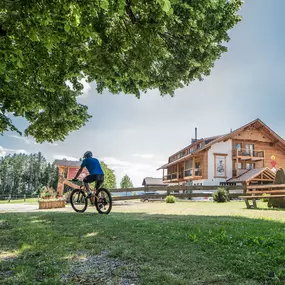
[
  {"x": 146, "y": 244},
  {"x": 28, "y": 200}
]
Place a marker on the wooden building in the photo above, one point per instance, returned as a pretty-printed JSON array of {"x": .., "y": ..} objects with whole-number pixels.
[{"x": 225, "y": 158}]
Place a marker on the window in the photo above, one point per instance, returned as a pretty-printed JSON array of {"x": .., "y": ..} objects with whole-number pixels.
[
  {"x": 239, "y": 165},
  {"x": 250, "y": 166},
  {"x": 249, "y": 148},
  {"x": 238, "y": 146}
]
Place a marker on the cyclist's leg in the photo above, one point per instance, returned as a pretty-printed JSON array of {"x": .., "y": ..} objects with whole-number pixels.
[
  {"x": 99, "y": 181},
  {"x": 88, "y": 179}
]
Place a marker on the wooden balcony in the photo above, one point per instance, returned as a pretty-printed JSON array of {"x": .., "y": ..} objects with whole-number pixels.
[
  {"x": 188, "y": 174},
  {"x": 251, "y": 155}
]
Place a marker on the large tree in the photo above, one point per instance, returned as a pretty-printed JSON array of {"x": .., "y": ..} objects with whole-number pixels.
[{"x": 130, "y": 46}]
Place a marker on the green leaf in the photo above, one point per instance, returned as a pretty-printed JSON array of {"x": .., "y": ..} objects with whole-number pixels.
[
  {"x": 166, "y": 6},
  {"x": 33, "y": 35},
  {"x": 66, "y": 27},
  {"x": 104, "y": 4},
  {"x": 19, "y": 64}
]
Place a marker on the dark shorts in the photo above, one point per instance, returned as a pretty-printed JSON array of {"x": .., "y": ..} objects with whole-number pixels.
[{"x": 99, "y": 178}]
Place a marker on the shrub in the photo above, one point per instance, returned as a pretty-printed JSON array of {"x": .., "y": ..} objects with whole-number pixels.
[
  {"x": 221, "y": 195},
  {"x": 265, "y": 199},
  {"x": 170, "y": 199},
  {"x": 47, "y": 193}
]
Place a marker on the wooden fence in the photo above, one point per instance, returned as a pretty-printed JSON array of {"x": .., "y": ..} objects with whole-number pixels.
[{"x": 182, "y": 192}]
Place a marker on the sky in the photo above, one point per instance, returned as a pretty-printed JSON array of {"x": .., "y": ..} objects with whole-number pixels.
[{"x": 136, "y": 136}]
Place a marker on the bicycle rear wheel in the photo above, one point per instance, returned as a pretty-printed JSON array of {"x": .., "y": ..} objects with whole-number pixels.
[
  {"x": 78, "y": 200},
  {"x": 103, "y": 201}
]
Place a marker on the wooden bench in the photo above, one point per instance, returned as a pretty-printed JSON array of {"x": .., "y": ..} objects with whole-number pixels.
[
  {"x": 275, "y": 191},
  {"x": 253, "y": 198}
]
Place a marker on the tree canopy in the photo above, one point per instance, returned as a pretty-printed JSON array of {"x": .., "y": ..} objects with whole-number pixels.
[
  {"x": 109, "y": 176},
  {"x": 26, "y": 174},
  {"x": 126, "y": 182},
  {"x": 130, "y": 46}
]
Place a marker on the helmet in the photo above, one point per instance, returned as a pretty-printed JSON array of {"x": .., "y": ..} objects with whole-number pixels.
[{"x": 87, "y": 154}]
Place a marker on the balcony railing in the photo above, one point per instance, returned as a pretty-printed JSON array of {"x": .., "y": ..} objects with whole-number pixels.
[
  {"x": 251, "y": 153},
  {"x": 169, "y": 177},
  {"x": 183, "y": 174}
]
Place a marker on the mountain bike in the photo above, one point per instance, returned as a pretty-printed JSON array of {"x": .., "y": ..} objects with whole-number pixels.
[{"x": 102, "y": 200}]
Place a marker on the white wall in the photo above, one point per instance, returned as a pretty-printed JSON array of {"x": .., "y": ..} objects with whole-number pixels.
[{"x": 222, "y": 148}]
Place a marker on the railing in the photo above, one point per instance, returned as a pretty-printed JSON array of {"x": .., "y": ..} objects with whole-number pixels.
[
  {"x": 186, "y": 173},
  {"x": 169, "y": 177},
  {"x": 245, "y": 152},
  {"x": 190, "y": 172}
]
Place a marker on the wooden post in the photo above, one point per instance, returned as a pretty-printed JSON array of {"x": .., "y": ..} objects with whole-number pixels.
[
  {"x": 61, "y": 178},
  {"x": 193, "y": 166},
  {"x": 237, "y": 163},
  {"x": 177, "y": 169},
  {"x": 9, "y": 199},
  {"x": 24, "y": 197}
]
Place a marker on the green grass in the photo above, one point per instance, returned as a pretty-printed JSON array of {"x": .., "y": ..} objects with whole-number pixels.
[
  {"x": 37, "y": 248},
  {"x": 20, "y": 201}
]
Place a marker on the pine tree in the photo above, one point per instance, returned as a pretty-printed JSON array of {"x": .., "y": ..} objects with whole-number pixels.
[{"x": 126, "y": 182}]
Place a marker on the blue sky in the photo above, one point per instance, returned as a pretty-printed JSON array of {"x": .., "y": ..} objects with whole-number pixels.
[{"x": 135, "y": 137}]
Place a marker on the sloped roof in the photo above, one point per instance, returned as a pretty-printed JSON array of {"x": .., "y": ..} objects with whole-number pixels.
[
  {"x": 228, "y": 136},
  {"x": 67, "y": 163},
  {"x": 150, "y": 181},
  {"x": 206, "y": 140},
  {"x": 212, "y": 140},
  {"x": 251, "y": 174}
]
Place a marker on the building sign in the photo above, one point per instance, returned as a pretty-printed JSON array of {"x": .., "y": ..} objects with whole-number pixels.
[
  {"x": 73, "y": 170},
  {"x": 273, "y": 163}
]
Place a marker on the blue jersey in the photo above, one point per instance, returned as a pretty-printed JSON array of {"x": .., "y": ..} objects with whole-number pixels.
[{"x": 93, "y": 165}]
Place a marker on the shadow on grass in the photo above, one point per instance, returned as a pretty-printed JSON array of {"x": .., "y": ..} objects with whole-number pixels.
[{"x": 157, "y": 249}]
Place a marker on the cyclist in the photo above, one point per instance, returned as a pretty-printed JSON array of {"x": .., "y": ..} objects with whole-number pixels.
[{"x": 95, "y": 172}]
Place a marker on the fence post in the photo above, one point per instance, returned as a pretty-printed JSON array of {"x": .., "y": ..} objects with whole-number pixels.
[
  {"x": 24, "y": 197},
  {"x": 9, "y": 198}
]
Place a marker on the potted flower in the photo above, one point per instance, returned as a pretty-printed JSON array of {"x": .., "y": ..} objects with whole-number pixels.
[{"x": 50, "y": 199}]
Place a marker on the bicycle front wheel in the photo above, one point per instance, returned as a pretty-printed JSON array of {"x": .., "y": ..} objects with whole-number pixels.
[
  {"x": 103, "y": 201},
  {"x": 78, "y": 200}
]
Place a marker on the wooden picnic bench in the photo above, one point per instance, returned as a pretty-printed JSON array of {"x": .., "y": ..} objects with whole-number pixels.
[{"x": 253, "y": 193}]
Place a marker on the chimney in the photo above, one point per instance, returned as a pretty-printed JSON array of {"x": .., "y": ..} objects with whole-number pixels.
[{"x": 196, "y": 137}]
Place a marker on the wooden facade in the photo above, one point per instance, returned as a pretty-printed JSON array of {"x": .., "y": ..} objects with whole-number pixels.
[{"x": 253, "y": 146}]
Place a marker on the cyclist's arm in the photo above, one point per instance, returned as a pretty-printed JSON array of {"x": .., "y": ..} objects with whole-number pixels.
[{"x": 78, "y": 172}]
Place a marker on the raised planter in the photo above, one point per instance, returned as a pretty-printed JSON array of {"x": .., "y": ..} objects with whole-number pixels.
[{"x": 50, "y": 204}]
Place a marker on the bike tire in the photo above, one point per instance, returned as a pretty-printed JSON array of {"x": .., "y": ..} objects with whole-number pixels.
[
  {"x": 83, "y": 200},
  {"x": 100, "y": 205}
]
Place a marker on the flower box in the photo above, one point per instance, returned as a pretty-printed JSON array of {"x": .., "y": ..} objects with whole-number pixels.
[{"x": 51, "y": 203}]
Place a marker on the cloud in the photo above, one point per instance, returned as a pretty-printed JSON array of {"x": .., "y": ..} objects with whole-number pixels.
[
  {"x": 6, "y": 151},
  {"x": 87, "y": 87},
  {"x": 63, "y": 156},
  {"x": 136, "y": 170},
  {"x": 27, "y": 140},
  {"x": 30, "y": 140},
  {"x": 143, "y": 155}
]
